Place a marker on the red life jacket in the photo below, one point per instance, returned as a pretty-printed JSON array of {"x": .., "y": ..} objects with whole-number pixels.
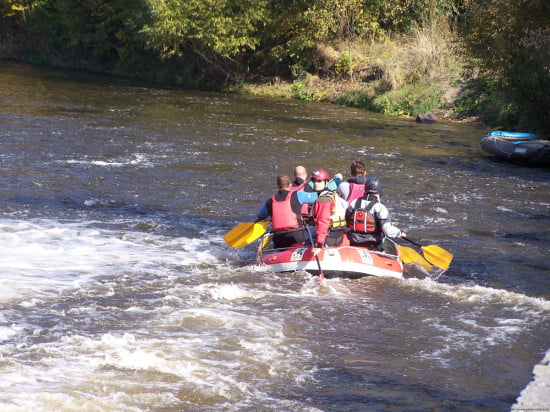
[
  {"x": 362, "y": 220},
  {"x": 282, "y": 215},
  {"x": 355, "y": 191}
]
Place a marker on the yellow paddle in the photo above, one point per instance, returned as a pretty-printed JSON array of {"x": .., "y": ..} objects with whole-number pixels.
[
  {"x": 434, "y": 254},
  {"x": 245, "y": 233},
  {"x": 409, "y": 255}
]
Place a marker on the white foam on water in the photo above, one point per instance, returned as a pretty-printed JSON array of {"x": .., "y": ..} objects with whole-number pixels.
[
  {"x": 7, "y": 332},
  {"x": 44, "y": 257},
  {"x": 184, "y": 339},
  {"x": 140, "y": 159},
  {"x": 536, "y": 395},
  {"x": 483, "y": 294},
  {"x": 231, "y": 360},
  {"x": 471, "y": 327},
  {"x": 230, "y": 292}
]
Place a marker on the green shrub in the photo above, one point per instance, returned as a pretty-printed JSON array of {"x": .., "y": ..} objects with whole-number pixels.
[
  {"x": 410, "y": 100},
  {"x": 300, "y": 91},
  {"x": 344, "y": 65},
  {"x": 355, "y": 98}
]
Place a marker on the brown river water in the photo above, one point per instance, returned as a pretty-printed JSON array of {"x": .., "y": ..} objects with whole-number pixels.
[{"x": 118, "y": 293}]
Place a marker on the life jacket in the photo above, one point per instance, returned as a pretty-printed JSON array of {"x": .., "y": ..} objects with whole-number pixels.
[
  {"x": 356, "y": 191},
  {"x": 338, "y": 211},
  {"x": 282, "y": 215},
  {"x": 362, "y": 219}
]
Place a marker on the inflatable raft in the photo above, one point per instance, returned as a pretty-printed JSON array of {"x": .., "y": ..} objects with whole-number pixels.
[
  {"x": 342, "y": 261},
  {"x": 521, "y": 148}
]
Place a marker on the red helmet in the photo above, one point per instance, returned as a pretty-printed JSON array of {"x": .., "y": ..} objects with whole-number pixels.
[{"x": 320, "y": 174}]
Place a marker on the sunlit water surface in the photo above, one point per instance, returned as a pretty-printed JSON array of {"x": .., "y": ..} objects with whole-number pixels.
[{"x": 117, "y": 291}]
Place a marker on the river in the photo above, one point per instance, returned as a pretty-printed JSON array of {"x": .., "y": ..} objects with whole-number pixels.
[{"x": 118, "y": 293}]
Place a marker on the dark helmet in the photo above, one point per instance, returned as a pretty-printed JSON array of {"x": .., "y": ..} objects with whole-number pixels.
[
  {"x": 320, "y": 174},
  {"x": 372, "y": 186}
]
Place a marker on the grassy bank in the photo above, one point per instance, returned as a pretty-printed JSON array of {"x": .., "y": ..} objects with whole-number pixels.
[{"x": 417, "y": 74}]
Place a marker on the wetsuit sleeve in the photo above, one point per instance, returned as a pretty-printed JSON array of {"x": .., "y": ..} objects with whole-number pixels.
[
  {"x": 383, "y": 216},
  {"x": 264, "y": 211}
]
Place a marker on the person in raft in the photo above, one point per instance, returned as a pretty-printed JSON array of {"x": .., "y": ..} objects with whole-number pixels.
[
  {"x": 328, "y": 212},
  {"x": 285, "y": 210},
  {"x": 300, "y": 178},
  {"x": 354, "y": 187},
  {"x": 368, "y": 220},
  {"x": 300, "y": 182}
]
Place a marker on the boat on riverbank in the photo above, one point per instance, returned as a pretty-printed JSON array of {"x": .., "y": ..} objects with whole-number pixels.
[
  {"x": 342, "y": 261},
  {"x": 521, "y": 148}
]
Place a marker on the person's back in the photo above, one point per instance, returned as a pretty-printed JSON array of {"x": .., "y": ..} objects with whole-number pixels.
[
  {"x": 285, "y": 209},
  {"x": 354, "y": 187},
  {"x": 328, "y": 212},
  {"x": 369, "y": 220}
]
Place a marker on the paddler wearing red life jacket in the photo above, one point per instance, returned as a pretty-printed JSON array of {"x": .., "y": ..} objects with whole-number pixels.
[
  {"x": 285, "y": 209},
  {"x": 329, "y": 212},
  {"x": 354, "y": 187},
  {"x": 368, "y": 220}
]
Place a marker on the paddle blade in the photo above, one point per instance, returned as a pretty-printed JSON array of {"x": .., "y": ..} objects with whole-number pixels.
[
  {"x": 245, "y": 233},
  {"x": 265, "y": 243},
  {"x": 409, "y": 255},
  {"x": 437, "y": 256}
]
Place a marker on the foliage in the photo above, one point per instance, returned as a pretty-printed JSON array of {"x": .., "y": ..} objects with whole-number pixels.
[
  {"x": 410, "y": 100},
  {"x": 9, "y": 8},
  {"x": 492, "y": 105},
  {"x": 355, "y": 98},
  {"x": 508, "y": 43},
  {"x": 301, "y": 92},
  {"x": 345, "y": 65},
  {"x": 404, "y": 15},
  {"x": 294, "y": 29},
  {"x": 400, "y": 49},
  {"x": 217, "y": 31},
  {"x": 95, "y": 34}
]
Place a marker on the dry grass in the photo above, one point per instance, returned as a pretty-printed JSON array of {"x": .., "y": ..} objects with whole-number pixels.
[{"x": 416, "y": 68}]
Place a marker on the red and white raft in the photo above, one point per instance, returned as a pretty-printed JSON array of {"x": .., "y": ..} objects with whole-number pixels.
[{"x": 342, "y": 261}]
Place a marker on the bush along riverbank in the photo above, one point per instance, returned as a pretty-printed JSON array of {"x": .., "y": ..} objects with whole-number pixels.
[{"x": 408, "y": 76}]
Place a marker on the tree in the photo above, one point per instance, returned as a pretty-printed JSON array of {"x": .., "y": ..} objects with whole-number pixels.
[
  {"x": 509, "y": 43},
  {"x": 92, "y": 34},
  {"x": 219, "y": 32}
]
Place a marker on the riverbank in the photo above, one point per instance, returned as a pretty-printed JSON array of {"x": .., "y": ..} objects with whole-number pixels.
[
  {"x": 404, "y": 76},
  {"x": 356, "y": 94}
]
